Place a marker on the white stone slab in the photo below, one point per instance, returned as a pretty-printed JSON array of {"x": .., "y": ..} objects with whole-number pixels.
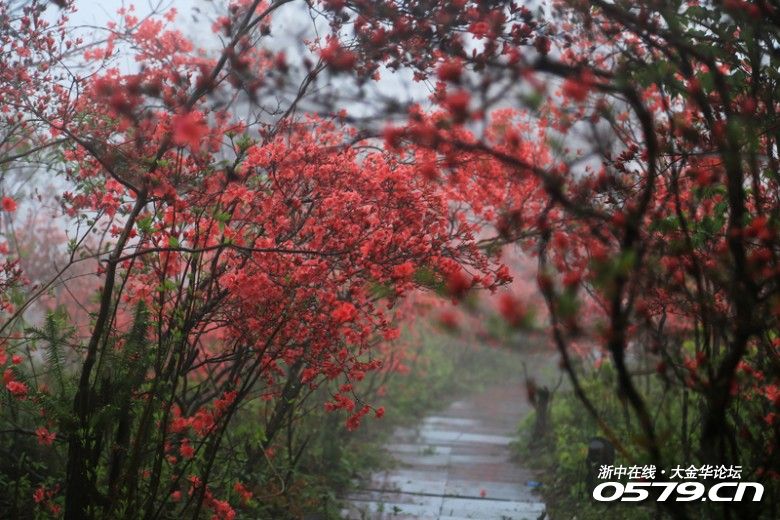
[
  {"x": 493, "y": 490},
  {"x": 475, "y": 460},
  {"x": 416, "y": 482},
  {"x": 489, "y": 509},
  {"x": 422, "y": 459},
  {"x": 478, "y": 438},
  {"x": 394, "y": 509},
  {"x": 450, "y": 421},
  {"x": 419, "y": 449}
]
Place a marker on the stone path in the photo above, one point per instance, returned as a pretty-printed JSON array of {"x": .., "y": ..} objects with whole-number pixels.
[{"x": 455, "y": 465}]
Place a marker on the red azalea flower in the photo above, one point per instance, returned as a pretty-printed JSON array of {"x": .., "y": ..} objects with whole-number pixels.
[
  {"x": 189, "y": 129},
  {"x": 17, "y": 388},
  {"x": 9, "y": 204},
  {"x": 45, "y": 437}
]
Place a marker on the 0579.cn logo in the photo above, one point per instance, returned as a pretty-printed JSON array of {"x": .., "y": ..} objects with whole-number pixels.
[
  {"x": 724, "y": 489},
  {"x": 682, "y": 491}
]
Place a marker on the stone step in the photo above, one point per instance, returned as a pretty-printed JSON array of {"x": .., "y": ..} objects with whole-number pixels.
[
  {"x": 456, "y": 464},
  {"x": 403, "y": 506}
]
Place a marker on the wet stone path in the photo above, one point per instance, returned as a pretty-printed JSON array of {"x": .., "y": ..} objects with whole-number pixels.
[{"x": 455, "y": 465}]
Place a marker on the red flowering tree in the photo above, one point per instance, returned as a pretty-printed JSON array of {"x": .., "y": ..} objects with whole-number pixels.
[
  {"x": 240, "y": 264},
  {"x": 631, "y": 149}
]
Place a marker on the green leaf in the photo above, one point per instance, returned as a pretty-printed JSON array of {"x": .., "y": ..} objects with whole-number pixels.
[{"x": 145, "y": 224}]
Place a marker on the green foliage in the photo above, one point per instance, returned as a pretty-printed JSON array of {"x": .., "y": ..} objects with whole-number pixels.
[
  {"x": 562, "y": 460},
  {"x": 676, "y": 413},
  {"x": 25, "y": 463},
  {"x": 429, "y": 279},
  {"x": 57, "y": 334},
  {"x": 29, "y": 464}
]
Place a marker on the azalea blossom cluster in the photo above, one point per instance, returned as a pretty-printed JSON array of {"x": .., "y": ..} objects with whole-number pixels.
[
  {"x": 241, "y": 265},
  {"x": 245, "y": 261},
  {"x": 626, "y": 148}
]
